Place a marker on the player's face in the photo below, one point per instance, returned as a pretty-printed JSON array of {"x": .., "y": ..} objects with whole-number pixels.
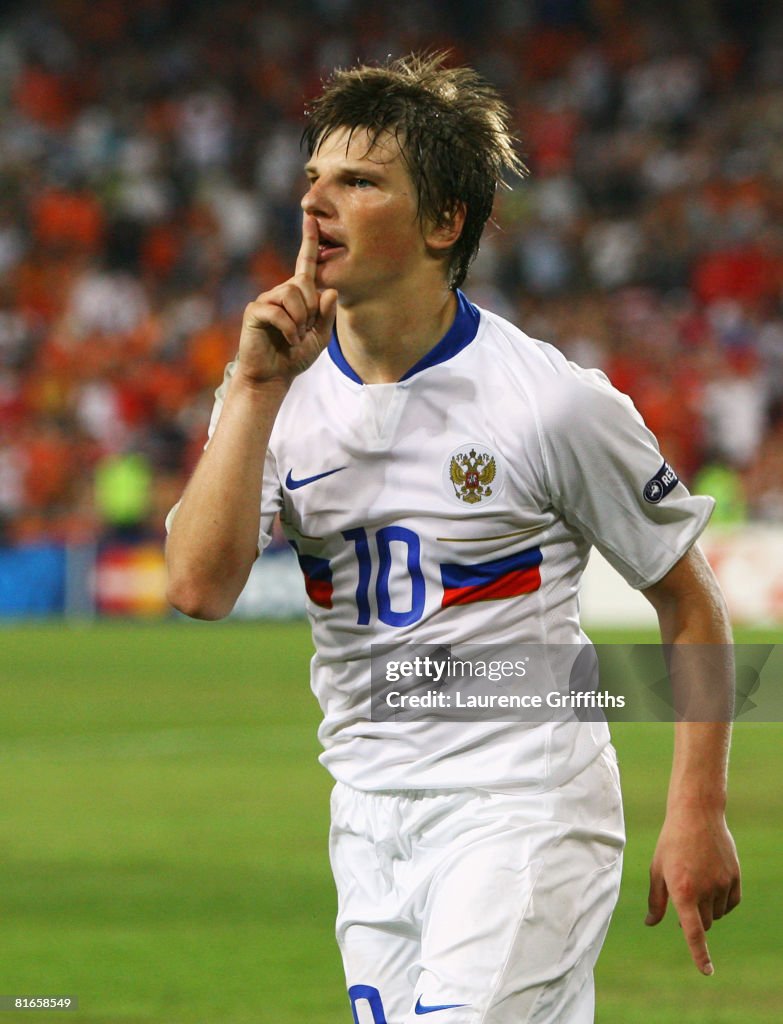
[{"x": 366, "y": 207}]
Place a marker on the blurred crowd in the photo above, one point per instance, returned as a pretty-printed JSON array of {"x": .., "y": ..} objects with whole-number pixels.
[{"x": 150, "y": 173}]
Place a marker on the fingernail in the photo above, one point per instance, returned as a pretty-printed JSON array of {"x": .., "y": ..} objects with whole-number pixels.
[
  {"x": 302, "y": 330},
  {"x": 708, "y": 968}
]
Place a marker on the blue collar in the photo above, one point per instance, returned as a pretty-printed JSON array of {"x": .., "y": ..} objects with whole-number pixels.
[{"x": 458, "y": 336}]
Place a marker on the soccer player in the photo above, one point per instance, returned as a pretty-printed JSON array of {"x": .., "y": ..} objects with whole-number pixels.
[{"x": 442, "y": 478}]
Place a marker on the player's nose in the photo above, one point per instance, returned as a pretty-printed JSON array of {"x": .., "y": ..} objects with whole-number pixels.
[{"x": 316, "y": 199}]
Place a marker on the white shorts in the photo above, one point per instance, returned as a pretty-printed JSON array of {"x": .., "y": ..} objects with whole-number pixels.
[{"x": 477, "y": 907}]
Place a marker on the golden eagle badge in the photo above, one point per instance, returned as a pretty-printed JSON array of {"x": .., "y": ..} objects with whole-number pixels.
[{"x": 472, "y": 474}]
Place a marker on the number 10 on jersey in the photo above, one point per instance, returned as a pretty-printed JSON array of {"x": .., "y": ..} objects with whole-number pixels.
[{"x": 408, "y": 544}]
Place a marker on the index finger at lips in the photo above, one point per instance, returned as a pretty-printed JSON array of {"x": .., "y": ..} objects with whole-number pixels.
[{"x": 307, "y": 260}]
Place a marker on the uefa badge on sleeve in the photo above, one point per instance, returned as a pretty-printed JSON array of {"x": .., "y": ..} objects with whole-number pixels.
[
  {"x": 472, "y": 474},
  {"x": 658, "y": 486}
]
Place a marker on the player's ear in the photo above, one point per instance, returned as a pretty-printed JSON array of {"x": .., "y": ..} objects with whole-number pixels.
[{"x": 444, "y": 234}]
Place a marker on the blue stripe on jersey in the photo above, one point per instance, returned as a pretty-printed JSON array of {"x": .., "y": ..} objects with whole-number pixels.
[
  {"x": 316, "y": 568},
  {"x": 317, "y": 574},
  {"x": 458, "y": 336},
  {"x": 456, "y": 576}
]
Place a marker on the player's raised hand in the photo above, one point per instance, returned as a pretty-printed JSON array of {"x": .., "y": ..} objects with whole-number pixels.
[
  {"x": 285, "y": 329},
  {"x": 695, "y": 865}
]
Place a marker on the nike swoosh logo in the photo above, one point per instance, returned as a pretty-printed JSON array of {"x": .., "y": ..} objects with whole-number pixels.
[
  {"x": 433, "y": 1009},
  {"x": 294, "y": 485}
]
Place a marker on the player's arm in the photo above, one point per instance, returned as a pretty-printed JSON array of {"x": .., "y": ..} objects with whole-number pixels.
[
  {"x": 213, "y": 539},
  {"x": 695, "y": 862}
]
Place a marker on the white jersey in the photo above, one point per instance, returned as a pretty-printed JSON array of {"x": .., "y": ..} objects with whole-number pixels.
[{"x": 458, "y": 506}]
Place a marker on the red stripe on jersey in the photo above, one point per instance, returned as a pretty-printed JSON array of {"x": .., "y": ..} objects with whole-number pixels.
[
  {"x": 319, "y": 591},
  {"x": 512, "y": 584}
]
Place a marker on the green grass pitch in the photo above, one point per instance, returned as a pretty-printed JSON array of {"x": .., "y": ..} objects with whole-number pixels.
[{"x": 163, "y": 840}]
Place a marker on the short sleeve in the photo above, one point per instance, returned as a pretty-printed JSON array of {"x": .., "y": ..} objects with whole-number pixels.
[
  {"x": 608, "y": 479},
  {"x": 270, "y": 492}
]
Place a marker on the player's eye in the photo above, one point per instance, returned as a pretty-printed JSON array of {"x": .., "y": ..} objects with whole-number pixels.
[{"x": 361, "y": 182}]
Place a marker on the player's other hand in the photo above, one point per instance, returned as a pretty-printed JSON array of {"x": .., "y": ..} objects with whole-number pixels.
[
  {"x": 695, "y": 864},
  {"x": 285, "y": 329}
]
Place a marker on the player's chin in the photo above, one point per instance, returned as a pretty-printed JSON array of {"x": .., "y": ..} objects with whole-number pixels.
[{"x": 328, "y": 275}]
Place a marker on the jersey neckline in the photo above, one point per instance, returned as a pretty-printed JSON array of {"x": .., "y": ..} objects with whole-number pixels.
[{"x": 462, "y": 331}]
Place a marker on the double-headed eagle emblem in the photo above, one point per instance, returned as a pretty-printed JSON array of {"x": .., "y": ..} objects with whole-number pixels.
[{"x": 471, "y": 475}]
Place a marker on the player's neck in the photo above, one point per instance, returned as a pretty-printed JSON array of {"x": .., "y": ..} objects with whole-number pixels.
[{"x": 382, "y": 340}]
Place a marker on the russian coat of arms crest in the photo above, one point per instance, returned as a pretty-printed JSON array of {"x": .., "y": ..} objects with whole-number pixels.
[{"x": 471, "y": 474}]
